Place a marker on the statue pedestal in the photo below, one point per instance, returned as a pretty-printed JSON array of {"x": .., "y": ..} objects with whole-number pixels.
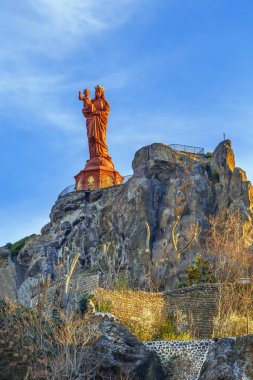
[{"x": 96, "y": 177}]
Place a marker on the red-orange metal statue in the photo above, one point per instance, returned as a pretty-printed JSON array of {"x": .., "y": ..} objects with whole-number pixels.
[{"x": 99, "y": 170}]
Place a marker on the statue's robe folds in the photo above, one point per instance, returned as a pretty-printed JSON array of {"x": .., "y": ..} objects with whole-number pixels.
[{"x": 96, "y": 130}]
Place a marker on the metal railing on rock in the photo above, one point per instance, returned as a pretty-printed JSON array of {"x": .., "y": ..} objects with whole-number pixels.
[
  {"x": 67, "y": 190},
  {"x": 94, "y": 186},
  {"x": 187, "y": 148}
]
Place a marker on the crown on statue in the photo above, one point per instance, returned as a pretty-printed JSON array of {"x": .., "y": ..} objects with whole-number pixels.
[{"x": 99, "y": 86}]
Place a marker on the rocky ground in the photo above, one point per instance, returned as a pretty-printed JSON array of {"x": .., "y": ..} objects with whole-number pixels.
[
  {"x": 229, "y": 359},
  {"x": 125, "y": 355}
]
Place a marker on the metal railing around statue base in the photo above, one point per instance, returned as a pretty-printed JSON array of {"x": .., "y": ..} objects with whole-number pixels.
[{"x": 93, "y": 186}]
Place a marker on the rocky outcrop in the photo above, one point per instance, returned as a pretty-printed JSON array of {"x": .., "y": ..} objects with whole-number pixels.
[
  {"x": 155, "y": 161},
  {"x": 230, "y": 359},
  {"x": 232, "y": 190},
  {"x": 129, "y": 227},
  {"x": 223, "y": 160},
  {"x": 125, "y": 356}
]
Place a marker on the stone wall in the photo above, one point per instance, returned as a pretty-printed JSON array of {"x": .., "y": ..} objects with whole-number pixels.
[
  {"x": 198, "y": 304},
  {"x": 7, "y": 279},
  {"x": 135, "y": 308},
  {"x": 82, "y": 282},
  {"x": 181, "y": 360}
]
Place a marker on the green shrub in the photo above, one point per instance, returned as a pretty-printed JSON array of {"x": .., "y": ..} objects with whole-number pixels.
[
  {"x": 209, "y": 154},
  {"x": 199, "y": 273},
  {"x": 214, "y": 176},
  {"x": 121, "y": 283},
  {"x": 15, "y": 248},
  {"x": 103, "y": 306},
  {"x": 167, "y": 330},
  {"x": 84, "y": 301}
]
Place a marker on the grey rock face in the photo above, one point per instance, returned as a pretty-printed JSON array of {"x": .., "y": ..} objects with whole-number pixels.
[
  {"x": 223, "y": 160},
  {"x": 4, "y": 253},
  {"x": 156, "y": 160},
  {"x": 229, "y": 359},
  {"x": 124, "y": 355},
  {"x": 25, "y": 292},
  {"x": 128, "y": 227},
  {"x": 7, "y": 277}
]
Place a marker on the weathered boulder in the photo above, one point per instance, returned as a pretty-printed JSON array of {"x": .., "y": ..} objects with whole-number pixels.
[
  {"x": 4, "y": 253},
  {"x": 222, "y": 165},
  {"x": 241, "y": 190},
  {"x": 124, "y": 356},
  {"x": 155, "y": 161},
  {"x": 223, "y": 160},
  {"x": 229, "y": 359}
]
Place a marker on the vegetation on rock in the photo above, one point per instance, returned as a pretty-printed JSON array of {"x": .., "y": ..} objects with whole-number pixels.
[
  {"x": 200, "y": 272},
  {"x": 36, "y": 347},
  {"x": 169, "y": 329},
  {"x": 16, "y": 247},
  {"x": 46, "y": 348},
  {"x": 214, "y": 176},
  {"x": 226, "y": 244}
]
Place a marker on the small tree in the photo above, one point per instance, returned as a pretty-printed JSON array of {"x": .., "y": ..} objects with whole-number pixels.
[
  {"x": 198, "y": 273},
  {"x": 225, "y": 244},
  {"x": 227, "y": 247}
]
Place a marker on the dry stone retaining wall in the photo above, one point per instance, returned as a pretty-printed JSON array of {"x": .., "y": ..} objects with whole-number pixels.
[
  {"x": 181, "y": 359},
  {"x": 130, "y": 306},
  {"x": 83, "y": 282},
  {"x": 199, "y": 304}
]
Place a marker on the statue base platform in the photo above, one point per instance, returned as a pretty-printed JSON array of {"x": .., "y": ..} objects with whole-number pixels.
[{"x": 97, "y": 177}]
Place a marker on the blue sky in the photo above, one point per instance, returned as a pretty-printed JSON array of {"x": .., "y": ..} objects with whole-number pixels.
[{"x": 175, "y": 71}]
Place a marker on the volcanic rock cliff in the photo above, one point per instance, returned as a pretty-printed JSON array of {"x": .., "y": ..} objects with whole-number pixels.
[{"x": 129, "y": 227}]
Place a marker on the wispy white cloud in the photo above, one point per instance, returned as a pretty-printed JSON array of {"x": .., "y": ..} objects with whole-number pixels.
[
  {"x": 40, "y": 96},
  {"x": 35, "y": 35},
  {"x": 63, "y": 120},
  {"x": 36, "y": 96},
  {"x": 29, "y": 27}
]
